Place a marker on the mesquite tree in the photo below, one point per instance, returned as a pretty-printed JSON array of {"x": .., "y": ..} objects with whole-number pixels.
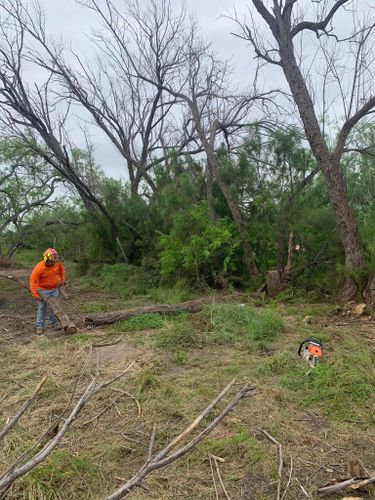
[
  {"x": 37, "y": 115},
  {"x": 184, "y": 68},
  {"x": 286, "y": 23}
]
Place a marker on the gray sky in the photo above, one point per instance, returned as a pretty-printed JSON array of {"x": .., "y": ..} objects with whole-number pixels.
[{"x": 73, "y": 22}]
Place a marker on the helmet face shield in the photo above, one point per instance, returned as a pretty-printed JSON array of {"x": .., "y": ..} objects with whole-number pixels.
[{"x": 50, "y": 256}]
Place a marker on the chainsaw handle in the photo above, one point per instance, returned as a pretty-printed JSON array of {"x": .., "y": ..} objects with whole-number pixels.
[{"x": 301, "y": 345}]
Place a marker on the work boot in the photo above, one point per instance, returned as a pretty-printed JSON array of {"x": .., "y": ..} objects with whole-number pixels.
[{"x": 39, "y": 331}]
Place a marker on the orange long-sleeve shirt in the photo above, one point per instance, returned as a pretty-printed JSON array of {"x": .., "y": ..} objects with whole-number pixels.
[{"x": 45, "y": 277}]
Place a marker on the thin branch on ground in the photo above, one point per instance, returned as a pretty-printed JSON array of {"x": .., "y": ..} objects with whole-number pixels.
[
  {"x": 280, "y": 470},
  {"x": 213, "y": 477},
  {"x": 12, "y": 474},
  {"x": 11, "y": 424},
  {"x": 216, "y": 460},
  {"x": 302, "y": 488},
  {"x": 353, "y": 484},
  {"x": 125, "y": 393},
  {"x": 289, "y": 478},
  {"x": 162, "y": 458}
]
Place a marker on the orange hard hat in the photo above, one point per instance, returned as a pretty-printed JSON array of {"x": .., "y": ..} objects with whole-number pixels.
[{"x": 51, "y": 255}]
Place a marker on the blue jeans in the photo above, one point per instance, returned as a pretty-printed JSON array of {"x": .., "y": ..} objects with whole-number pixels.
[{"x": 42, "y": 306}]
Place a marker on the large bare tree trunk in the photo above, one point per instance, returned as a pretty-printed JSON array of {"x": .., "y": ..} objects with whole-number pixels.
[{"x": 331, "y": 169}]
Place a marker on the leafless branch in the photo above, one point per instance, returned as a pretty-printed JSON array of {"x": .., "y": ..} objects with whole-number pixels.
[
  {"x": 280, "y": 469},
  {"x": 13, "y": 421},
  {"x": 10, "y": 476},
  {"x": 163, "y": 458}
]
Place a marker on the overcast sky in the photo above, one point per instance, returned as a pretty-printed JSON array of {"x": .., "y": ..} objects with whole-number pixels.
[{"x": 73, "y": 23}]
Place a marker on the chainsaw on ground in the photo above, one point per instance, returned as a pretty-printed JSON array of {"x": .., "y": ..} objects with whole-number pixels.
[{"x": 311, "y": 350}]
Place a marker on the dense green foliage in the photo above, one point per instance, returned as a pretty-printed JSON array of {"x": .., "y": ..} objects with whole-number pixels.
[{"x": 168, "y": 234}]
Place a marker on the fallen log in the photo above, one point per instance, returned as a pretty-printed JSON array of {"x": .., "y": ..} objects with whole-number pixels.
[
  {"x": 111, "y": 317},
  {"x": 55, "y": 305}
]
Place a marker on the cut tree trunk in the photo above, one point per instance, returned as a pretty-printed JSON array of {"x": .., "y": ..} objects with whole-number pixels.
[
  {"x": 274, "y": 282},
  {"x": 58, "y": 310},
  {"x": 112, "y": 317}
]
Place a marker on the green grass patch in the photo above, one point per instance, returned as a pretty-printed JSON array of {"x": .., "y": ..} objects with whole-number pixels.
[
  {"x": 241, "y": 445},
  {"x": 178, "y": 335},
  {"x": 181, "y": 358},
  {"x": 96, "y": 307},
  {"x": 342, "y": 386},
  {"x": 240, "y": 323},
  {"x": 126, "y": 281},
  {"x": 171, "y": 295},
  {"x": 60, "y": 468}
]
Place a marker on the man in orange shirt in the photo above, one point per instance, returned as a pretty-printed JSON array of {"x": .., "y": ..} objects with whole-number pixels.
[{"x": 45, "y": 279}]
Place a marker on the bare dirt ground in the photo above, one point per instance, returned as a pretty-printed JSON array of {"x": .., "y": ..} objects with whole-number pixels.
[{"x": 99, "y": 453}]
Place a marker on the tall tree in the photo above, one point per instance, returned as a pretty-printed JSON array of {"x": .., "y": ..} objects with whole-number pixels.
[
  {"x": 197, "y": 78},
  {"x": 286, "y": 22},
  {"x": 37, "y": 116},
  {"x": 135, "y": 116}
]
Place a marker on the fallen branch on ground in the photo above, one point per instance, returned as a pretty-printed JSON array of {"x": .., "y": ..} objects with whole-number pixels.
[
  {"x": 13, "y": 421},
  {"x": 125, "y": 393},
  {"x": 289, "y": 478},
  {"x": 113, "y": 317},
  {"x": 280, "y": 470},
  {"x": 215, "y": 460},
  {"x": 12, "y": 474},
  {"x": 354, "y": 484},
  {"x": 162, "y": 458}
]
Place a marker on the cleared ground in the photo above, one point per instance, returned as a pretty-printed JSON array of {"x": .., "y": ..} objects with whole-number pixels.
[{"x": 324, "y": 418}]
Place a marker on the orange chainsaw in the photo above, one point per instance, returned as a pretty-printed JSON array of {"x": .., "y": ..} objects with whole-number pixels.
[{"x": 311, "y": 350}]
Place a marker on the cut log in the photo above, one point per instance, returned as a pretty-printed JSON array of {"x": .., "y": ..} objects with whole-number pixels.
[
  {"x": 111, "y": 317},
  {"x": 57, "y": 309}
]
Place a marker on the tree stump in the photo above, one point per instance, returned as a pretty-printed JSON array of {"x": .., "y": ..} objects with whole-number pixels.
[
  {"x": 274, "y": 282},
  {"x": 57, "y": 308},
  {"x": 369, "y": 293}
]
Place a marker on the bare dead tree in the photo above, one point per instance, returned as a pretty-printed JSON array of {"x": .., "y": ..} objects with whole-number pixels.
[
  {"x": 36, "y": 117},
  {"x": 199, "y": 80},
  {"x": 286, "y": 23},
  {"x": 24, "y": 188},
  {"x": 135, "y": 115}
]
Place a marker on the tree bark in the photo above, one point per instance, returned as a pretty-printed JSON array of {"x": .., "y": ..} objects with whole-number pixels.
[
  {"x": 57, "y": 308},
  {"x": 112, "y": 317},
  {"x": 274, "y": 282},
  {"x": 331, "y": 169},
  {"x": 210, "y": 194}
]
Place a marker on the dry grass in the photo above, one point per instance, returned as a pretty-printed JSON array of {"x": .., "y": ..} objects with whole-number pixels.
[{"x": 172, "y": 386}]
